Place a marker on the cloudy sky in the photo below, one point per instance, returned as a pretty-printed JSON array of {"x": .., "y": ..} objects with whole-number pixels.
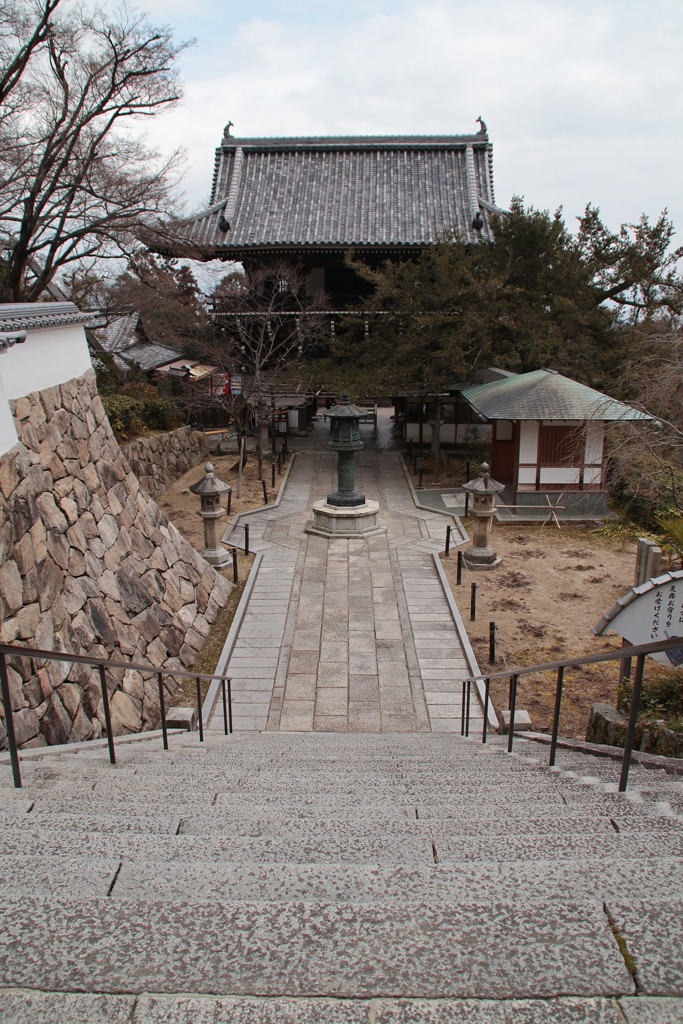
[{"x": 583, "y": 99}]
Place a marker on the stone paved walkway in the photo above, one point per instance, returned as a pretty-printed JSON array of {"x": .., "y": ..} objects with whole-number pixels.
[{"x": 346, "y": 635}]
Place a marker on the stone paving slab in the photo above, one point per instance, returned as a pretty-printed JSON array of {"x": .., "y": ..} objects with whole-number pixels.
[
  {"x": 65, "y": 877},
  {"x": 501, "y": 951},
  {"x": 652, "y": 932},
  {"x": 349, "y": 612},
  {"x": 221, "y": 1010},
  {"x": 93, "y": 822},
  {"x": 511, "y": 1011},
  {"x": 446, "y": 884},
  {"x": 258, "y": 842},
  {"x": 644, "y": 1010},
  {"x": 32, "y": 1007}
]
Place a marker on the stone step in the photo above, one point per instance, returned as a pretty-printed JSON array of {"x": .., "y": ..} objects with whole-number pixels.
[
  {"x": 397, "y": 842},
  {"x": 134, "y": 820},
  {"x": 512, "y": 949},
  {"x": 473, "y": 820},
  {"x": 445, "y": 883},
  {"x": 25, "y": 1006}
]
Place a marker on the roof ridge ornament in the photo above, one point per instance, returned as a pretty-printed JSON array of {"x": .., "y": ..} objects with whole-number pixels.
[
  {"x": 226, "y": 131},
  {"x": 483, "y": 130}
]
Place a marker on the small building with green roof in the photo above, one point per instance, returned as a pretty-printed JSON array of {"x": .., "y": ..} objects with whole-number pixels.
[{"x": 548, "y": 438}]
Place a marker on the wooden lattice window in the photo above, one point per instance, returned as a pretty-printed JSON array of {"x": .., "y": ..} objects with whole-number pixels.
[{"x": 560, "y": 446}]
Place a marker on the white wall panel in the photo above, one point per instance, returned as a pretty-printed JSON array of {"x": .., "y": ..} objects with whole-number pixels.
[{"x": 528, "y": 441}]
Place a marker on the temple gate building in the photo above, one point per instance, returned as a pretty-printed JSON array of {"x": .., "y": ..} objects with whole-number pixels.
[{"x": 310, "y": 201}]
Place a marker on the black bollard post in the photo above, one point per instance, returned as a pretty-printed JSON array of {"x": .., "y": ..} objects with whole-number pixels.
[
  {"x": 473, "y": 602},
  {"x": 459, "y": 576},
  {"x": 265, "y": 492},
  {"x": 448, "y": 541},
  {"x": 229, "y": 501},
  {"x": 492, "y": 643},
  {"x": 467, "y": 502},
  {"x": 246, "y": 538},
  {"x": 235, "y": 572},
  {"x": 272, "y": 476}
]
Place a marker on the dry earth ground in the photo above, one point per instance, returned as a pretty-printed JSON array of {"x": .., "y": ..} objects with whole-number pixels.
[{"x": 549, "y": 591}]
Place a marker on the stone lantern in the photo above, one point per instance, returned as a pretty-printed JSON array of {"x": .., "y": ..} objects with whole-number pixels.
[
  {"x": 346, "y": 513},
  {"x": 480, "y": 555},
  {"x": 210, "y": 489},
  {"x": 345, "y": 430}
]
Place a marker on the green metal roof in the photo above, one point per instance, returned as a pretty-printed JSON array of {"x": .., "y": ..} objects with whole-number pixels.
[{"x": 545, "y": 395}]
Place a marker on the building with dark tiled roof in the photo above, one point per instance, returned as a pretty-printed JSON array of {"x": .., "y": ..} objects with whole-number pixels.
[
  {"x": 126, "y": 340},
  {"x": 310, "y": 200}
]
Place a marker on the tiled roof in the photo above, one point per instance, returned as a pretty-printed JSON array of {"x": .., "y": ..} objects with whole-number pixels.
[
  {"x": 545, "y": 395},
  {"x": 126, "y": 340},
  {"x": 368, "y": 192},
  {"x": 23, "y": 316},
  {"x": 147, "y": 355},
  {"x": 120, "y": 333}
]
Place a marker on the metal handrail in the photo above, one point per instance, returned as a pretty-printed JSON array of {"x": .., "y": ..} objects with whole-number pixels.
[
  {"x": 638, "y": 651},
  {"x": 102, "y": 664}
]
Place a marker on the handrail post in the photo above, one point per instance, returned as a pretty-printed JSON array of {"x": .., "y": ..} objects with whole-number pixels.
[
  {"x": 467, "y": 717},
  {"x": 107, "y": 714},
  {"x": 199, "y": 710},
  {"x": 632, "y": 718},
  {"x": 556, "y": 715},
  {"x": 9, "y": 721},
  {"x": 162, "y": 708},
  {"x": 462, "y": 712},
  {"x": 487, "y": 685},
  {"x": 512, "y": 702},
  {"x": 225, "y": 707},
  {"x": 230, "y": 703}
]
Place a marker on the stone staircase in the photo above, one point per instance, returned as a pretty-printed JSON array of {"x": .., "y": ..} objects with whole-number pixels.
[{"x": 390, "y": 879}]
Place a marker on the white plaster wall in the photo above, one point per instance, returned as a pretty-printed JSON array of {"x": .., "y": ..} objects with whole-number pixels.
[
  {"x": 528, "y": 442},
  {"x": 527, "y": 475},
  {"x": 48, "y": 357},
  {"x": 560, "y": 476},
  {"x": 8, "y": 433},
  {"x": 592, "y": 475},
  {"x": 595, "y": 435}
]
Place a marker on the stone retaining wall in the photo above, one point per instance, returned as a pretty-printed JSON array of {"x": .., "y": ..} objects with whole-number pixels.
[
  {"x": 607, "y": 725},
  {"x": 89, "y": 564},
  {"x": 159, "y": 460}
]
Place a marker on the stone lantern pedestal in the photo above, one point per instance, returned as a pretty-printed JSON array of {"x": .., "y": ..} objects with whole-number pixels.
[
  {"x": 210, "y": 489},
  {"x": 480, "y": 556},
  {"x": 346, "y": 513}
]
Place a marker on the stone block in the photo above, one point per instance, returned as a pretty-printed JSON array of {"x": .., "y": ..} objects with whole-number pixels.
[
  {"x": 522, "y": 721},
  {"x": 11, "y": 588},
  {"x": 126, "y": 713},
  {"x": 181, "y": 718}
]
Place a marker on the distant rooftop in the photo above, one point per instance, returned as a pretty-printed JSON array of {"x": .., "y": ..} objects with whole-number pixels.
[{"x": 369, "y": 192}]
